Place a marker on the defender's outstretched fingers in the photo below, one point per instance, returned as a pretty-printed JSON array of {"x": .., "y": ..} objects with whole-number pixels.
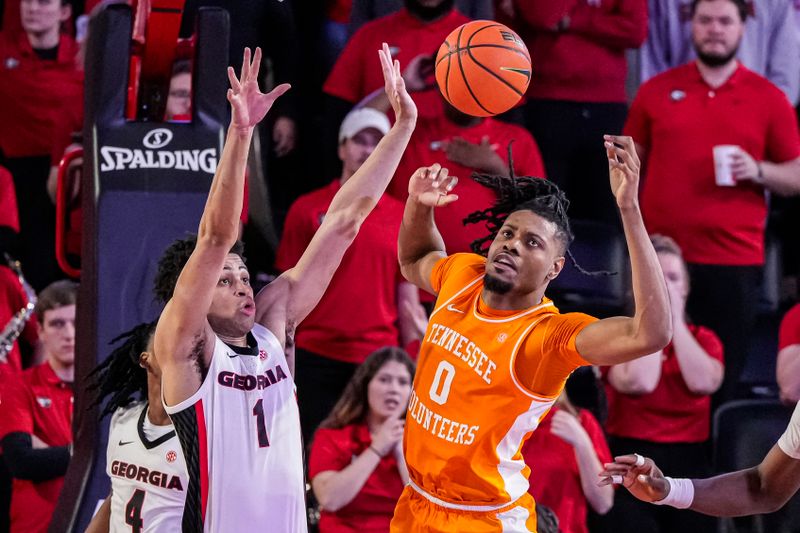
[
  {"x": 245, "y": 65},
  {"x": 235, "y": 85}
]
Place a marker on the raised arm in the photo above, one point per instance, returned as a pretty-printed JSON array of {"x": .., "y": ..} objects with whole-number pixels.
[
  {"x": 619, "y": 339},
  {"x": 420, "y": 244},
  {"x": 285, "y": 302},
  {"x": 183, "y": 328}
]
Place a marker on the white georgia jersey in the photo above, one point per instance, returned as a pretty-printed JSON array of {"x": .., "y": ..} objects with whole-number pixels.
[
  {"x": 790, "y": 440},
  {"x": 148, "y": 478},
  {"x": 240, "y": 433}
]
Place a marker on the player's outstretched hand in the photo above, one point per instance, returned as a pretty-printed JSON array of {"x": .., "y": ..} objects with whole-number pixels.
[
  {"x": 432, "y": 186},
  {"x": 248, "y": 104},
  {"x": 623, "y": 169},
  {"x": 638, "y": 474},
  {"x": 404, "y": 107}
]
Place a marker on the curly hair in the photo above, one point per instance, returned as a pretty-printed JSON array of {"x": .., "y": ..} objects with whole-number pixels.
[
  {"x": 120, "y": 377},
  {"x": 172, "y": 262},
  {"x": 524, "y": 193}
]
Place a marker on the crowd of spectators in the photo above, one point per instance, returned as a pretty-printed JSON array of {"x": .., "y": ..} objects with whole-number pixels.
[{"x": 713, "y": 73}]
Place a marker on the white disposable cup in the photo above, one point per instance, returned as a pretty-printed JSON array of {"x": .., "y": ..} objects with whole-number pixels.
[{"x": 722, "y": 164}]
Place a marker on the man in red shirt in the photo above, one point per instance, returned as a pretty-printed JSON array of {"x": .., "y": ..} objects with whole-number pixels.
[
  {"x": 577, "y": 89},
  {"x": 41, "y": 104},
  {"x": 677, "y": 119},
  {"x": 367, "y": 302},
  {"x": 414, "y": 35},
  {"x": 36, "y": 414},
  {"x": 788, "y": 370},
  {"x": 465, "y": 144}
]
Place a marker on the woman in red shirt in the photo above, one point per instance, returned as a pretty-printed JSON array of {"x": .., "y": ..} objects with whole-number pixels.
[
  {"x": 565, "y": 454},
  {"x": 660, "y": 406},
  {"x": 356, "y": 464}
]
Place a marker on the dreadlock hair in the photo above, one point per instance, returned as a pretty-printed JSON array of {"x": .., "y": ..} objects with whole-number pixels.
[
  {"x": 172, "y": 262},
  {"x": 524, "y": 193},
  {"x": 120, "y": 376}
]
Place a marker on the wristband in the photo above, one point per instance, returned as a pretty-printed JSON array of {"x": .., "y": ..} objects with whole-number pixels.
[
  {"x": 681, "y": 493},
  {"x": 375, "y": 451}
]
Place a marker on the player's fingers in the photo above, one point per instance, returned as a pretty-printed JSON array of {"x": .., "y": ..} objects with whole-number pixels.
[
  {"x": 256, "y": 65},
  {"x": 230, "y": 95},
  {"x": 627, "y": 459},
  {"x": 245, "y": 65},
  {"x": 279, "y": 90},
  {"x": 235, "y": 85},
  {"x": 433, "y": 171},
  {"x": 451, "y": 184},
  {"x": 446, "y": 199},
  {"x": 441, "y": 177},
  {"x": 620, "y": 153},
  {"x": 627, "y": 144}
]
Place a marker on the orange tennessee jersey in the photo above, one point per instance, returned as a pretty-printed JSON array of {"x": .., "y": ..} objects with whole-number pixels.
[{"x": 469, "y": 414}]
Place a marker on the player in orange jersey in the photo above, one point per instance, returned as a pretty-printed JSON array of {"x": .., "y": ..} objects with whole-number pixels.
[{"x": 497, "y": 352}]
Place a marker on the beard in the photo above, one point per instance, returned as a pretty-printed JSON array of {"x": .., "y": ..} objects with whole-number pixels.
[
  {"x": 428, "y": 14},
  {"x": 714, "y": 59},
  {"x": 496, "y": 285}
]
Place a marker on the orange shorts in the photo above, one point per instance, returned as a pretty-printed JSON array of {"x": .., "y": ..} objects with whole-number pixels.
[{"x": 414, "y": 513}]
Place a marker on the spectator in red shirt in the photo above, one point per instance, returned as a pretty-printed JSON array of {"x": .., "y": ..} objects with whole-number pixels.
[
  {"x": 565, "y": 454},
  {"x": 677, "y": 119},
  {"x": 788, "y": 370},
  {"x": 356, "y": 466},
  {"x": 414, "y": 35},
  {"x": 660, "y": 406},
  {"x": 364, "y": 306},
  {"x": 464, "y": 144},
  {"x": 41, "y": 90},
  {"x": 577, "y": 89},
  {"x": 36, "y": 414}
]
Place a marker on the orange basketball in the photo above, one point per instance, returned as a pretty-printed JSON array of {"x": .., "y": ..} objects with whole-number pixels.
[{"x": 483, "y": 68}]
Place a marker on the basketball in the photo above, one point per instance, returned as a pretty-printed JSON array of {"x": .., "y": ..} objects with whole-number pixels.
[{"x": 483, "y": 68}]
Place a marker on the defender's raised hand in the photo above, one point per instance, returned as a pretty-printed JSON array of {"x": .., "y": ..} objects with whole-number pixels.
[
  {"x": 248, "y": 104},
  {"x": 431, "y": 186},
  {"x": 623, "y": 169},
  {"x": 402, "y": 104}
]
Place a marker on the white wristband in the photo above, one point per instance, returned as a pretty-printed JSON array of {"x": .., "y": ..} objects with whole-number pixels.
[{"x": 681, "y": 493}]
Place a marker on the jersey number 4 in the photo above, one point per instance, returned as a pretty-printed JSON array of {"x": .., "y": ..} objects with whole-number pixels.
[
  {"x": 261, "y": 424},
  {"x": 133, "y": 511}
]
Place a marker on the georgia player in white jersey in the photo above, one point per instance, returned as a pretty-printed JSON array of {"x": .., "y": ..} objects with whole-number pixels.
[
  {"x": 144, "y": 459},
  {"x": 225, "y": 380}
]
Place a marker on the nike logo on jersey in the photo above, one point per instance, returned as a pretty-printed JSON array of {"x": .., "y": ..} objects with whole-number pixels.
[
  {"x": 454, "y": 310},
  {"x": 123, "y": 443}
]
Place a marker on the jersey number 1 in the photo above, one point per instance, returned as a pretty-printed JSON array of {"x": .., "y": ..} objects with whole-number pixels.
[
  {"x": 133, "y": 511},
  {"x": 261, "y": 424}
]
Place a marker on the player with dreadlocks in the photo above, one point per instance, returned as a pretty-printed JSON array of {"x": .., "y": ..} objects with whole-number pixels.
[
  {"x": 497, "y": 352},
  {"x": 144, "y": 458}
]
